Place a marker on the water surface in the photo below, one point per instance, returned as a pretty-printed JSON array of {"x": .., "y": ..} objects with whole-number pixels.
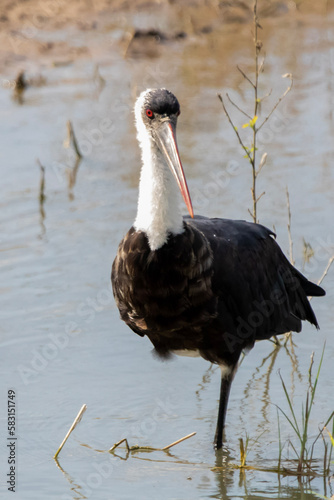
[{"x": 62, "y": 343}]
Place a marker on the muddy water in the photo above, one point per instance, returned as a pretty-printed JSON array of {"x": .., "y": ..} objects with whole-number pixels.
[{"x": 62, "y": 343}]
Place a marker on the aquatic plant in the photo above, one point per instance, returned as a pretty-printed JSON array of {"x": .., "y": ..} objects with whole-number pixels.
[{"x": 300, "y": 425}]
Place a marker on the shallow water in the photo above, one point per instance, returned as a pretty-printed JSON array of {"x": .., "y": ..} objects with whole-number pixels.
[{"x": 62, "y": 343}]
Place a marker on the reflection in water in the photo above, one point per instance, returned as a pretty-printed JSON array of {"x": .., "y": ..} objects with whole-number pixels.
[
  {"x": 206, "y": 379},
  {"x": 264, "y": 378},
  {"x": 41, "y": 220},
  {"x": 225, "y": 475},
  {"x": 74, "y": 486},
  {"x": 72, "y": 172},
  {"x": 20, "y": 86},
  {"x": 42, "y": 198},
  {"x": 294, "y": 363},
  {"x": 99, "y": 81},
  {"x": 72, "y": 177}
]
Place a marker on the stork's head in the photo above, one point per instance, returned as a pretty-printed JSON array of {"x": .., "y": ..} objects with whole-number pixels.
[{"x": 156, "y": 113}]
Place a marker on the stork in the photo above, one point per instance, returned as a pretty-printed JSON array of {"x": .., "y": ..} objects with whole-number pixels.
[{"x": 194, "y": 285}]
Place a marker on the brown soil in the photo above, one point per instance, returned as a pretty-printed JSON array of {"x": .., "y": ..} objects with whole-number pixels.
[{"x": 38, "y": 32}]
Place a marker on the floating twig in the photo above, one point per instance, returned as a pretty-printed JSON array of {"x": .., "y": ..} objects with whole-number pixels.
[
  {"x": 124, "y": 440},
  {"x": 73, "y": 426},
  {"x": 179, "y": 441},
  {"x": 148, "y": 448}
]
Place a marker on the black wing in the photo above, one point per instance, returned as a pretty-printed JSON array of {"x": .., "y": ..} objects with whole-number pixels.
[{"x": 257, "y": 286}]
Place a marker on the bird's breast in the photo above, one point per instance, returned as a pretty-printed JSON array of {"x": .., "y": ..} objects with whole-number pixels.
[{"x": 167, "y": 290}]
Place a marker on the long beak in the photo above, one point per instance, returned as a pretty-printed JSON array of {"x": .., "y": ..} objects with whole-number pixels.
[{"x": 165, "y": 138}]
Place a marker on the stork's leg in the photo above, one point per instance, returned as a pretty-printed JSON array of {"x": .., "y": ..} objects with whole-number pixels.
[{"x": 227, "y": 376}]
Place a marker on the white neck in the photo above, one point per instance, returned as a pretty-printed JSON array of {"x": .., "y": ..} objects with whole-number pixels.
[{"x": 159, "y": 211}]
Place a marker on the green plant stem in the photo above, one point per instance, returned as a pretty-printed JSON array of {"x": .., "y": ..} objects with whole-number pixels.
[{"x": 305, "y": 455}]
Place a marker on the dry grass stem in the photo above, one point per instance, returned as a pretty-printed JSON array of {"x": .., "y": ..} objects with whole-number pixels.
[
  {"x": 238, "y": 108},
  {"x": 289, "y": 228},
  {"x": 42, "y": 183},
  {"x": 234, "y": 127},
  {"x": 124, "y": 440},
  {"x": 287, "y": 75},
  {"x": 148, "y": 448},
  {"x": 243, "y": 453},
  {"x": 310, "y": 370},
  {"x": 71, "y": 139},
  {"x": 246, "y": 77},
  {"x": 179, "y": 441},
  {"x": 73, "y": 426},
  {"x": 267, "y": 95},
  {"x": 324, "y": 274}
]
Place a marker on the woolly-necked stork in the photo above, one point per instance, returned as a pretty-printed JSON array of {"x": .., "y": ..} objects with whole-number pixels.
[{"x": 194, "y": 285}]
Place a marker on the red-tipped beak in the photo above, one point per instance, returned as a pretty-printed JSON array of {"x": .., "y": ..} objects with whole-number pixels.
[{"x": 165, "y": 138}]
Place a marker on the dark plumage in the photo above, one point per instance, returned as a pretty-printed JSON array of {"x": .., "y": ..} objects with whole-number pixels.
[
  {"x": 214, "y": 286},
  {"x": 217, "y": 287}
]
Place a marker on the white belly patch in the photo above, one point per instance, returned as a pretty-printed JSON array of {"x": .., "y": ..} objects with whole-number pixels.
[{"x": 187, "y": 352}]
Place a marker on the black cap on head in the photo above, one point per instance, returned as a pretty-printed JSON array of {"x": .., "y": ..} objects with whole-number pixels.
[{"x": 162, "y": 101}]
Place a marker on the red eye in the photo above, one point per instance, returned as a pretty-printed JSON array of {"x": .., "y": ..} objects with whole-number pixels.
[{"x": 149, "y": 113}]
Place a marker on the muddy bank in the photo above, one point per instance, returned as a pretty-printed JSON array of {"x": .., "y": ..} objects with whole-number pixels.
[{"x": 35, "y": 33}]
